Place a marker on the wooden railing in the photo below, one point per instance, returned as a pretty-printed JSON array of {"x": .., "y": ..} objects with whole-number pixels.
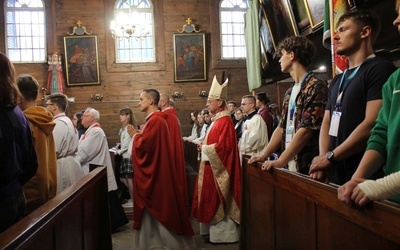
[
  {"x": 284, "y": 210},
  {"x": 77, "y": 218}
]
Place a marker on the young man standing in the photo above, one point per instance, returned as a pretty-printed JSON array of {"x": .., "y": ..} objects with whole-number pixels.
[
  {"x": 254, "y": 137},
  {"x": 66, "y": 142},
  {"x": 354, "y": 101},
  {"x": 43, "y": 186},
  {"x": 302, "y": 110},
  {"x": 382, "y": 150}
]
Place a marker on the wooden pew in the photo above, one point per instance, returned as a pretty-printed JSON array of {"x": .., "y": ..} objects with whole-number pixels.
[
  {"x": 284, "y": 210},
  {"x": 77, "y": 218}
]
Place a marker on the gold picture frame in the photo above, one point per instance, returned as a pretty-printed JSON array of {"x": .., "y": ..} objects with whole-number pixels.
[
  {"x": 280, "y": 20},
  {"x": 189, "y": 57},
  {"x": 315, "y": 11},
  {"x": 81, "y": 60}
]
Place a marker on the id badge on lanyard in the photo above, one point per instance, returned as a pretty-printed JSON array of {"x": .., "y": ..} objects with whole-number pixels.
[{"x": 335, "y": 120}]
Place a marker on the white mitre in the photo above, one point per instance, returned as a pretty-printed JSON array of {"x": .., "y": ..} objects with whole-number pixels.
[{"x": 218, "y": 91}]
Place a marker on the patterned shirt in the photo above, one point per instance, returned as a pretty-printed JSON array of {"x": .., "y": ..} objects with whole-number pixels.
[{"x": 309, "y": 112}]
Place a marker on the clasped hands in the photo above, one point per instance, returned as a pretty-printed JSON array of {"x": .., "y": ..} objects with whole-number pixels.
[
  {"x": 132, "y": 130},
  {"x": 267, "y": 165}
]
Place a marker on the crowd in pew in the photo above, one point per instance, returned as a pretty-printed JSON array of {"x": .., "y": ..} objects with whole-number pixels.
[{"x": 337, "y": 134}]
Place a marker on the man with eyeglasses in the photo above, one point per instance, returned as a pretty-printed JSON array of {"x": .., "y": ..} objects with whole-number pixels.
[
  {"x": 217, "y": 196},
  {"x": 43, "y": 186},
  {"x": 66, "y": 142},
  {"x": 254, "y": 137},
  {"x": 93, "y": 149}
]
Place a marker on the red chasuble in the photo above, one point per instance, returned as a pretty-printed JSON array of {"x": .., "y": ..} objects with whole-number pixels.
[
  {"x": 156, "y": 180},
  {"x": 177, "y": 150},
  {"x": 218, "y": 188}
]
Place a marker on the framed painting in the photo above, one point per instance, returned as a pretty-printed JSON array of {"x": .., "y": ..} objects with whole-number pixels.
[
  {"x": 267, "y": 46},
  {"x": 280, "y": 19},
  {"x": 81, "y": 60},
  {"x": 265, "y": 34},
  {"x": 264, "y": 58},
  {"x": 315, "y": 10},
  {"x": 300, "y": 13},
  {"x": 189, "y": 57}
]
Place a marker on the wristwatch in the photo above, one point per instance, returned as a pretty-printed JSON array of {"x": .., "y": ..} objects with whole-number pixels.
[{"x": 330, "y": 156}]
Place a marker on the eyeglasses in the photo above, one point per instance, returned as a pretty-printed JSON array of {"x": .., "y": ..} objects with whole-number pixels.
[
  {"x": 244, "y": 104},
  {"x": 47, "y": 104}
]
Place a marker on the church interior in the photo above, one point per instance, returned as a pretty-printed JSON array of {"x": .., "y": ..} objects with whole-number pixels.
[{"x": 279, "y": 210}]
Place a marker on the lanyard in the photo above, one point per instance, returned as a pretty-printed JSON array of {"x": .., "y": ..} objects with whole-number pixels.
[
  {"x": 346, "y": 84},
  {"x": 293, "y": 105},
  {"x": 347, "y": 81}
]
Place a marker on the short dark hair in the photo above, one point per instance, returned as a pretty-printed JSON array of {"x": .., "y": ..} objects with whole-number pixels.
[
  {"x": 250, "y": 97},
  {"x": 303, "y": 49},
  {"x": 263, "y": 98},
  {"x": 28, "y": 87},
  {"x": 152, "y": 94},
  {"x": 60, "y": 100},
  {"x": 233, "y": 102},
  {"x": 363, "y": 18}
]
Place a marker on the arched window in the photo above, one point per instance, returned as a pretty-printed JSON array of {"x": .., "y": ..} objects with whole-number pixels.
[
  {"x": 232, "y": 28},
  {"x": 134, "y": 45},
  {"x": 25, "y": 31}
]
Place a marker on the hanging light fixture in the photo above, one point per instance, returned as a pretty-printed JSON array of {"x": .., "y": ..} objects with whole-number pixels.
[{"x": 128, "y": 23}]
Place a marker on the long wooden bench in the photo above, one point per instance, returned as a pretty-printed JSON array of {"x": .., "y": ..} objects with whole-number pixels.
[
  {"x": 77, "y": 218},
  {"x": 284, "y": 210}
]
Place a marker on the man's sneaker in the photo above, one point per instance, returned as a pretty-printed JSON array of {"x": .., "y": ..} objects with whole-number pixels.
[{"x": 129, "y": 204}]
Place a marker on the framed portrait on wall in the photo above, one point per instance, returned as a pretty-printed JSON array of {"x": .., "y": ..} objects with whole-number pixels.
[
  {"x": 280, "y": 20},
  {"x": 189, "y": 57},
  {"x": 300, "y": 13},
  {"x": 81, "y": 60},
  {"x": 315, "y": 10}
]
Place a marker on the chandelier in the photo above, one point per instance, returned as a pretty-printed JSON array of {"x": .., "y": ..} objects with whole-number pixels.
[{"x": 129, "y": 24}]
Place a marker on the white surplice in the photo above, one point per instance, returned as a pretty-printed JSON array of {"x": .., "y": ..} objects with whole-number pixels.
[
  {"x": 66, "y": 143},
  {"x": 93, "y": 149}
]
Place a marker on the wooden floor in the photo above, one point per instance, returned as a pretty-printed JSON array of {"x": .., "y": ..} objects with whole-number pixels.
[{"x": 123, "y": 240}]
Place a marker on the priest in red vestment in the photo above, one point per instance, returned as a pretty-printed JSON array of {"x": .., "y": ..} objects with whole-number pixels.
[
  {"x": 160, "y": 217},
  {"x": 217, "y": 197},
  {"x": 175, "y": 143}
]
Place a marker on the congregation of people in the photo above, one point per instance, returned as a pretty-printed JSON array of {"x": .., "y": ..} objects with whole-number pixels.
[{"x": 337, "y": 133}]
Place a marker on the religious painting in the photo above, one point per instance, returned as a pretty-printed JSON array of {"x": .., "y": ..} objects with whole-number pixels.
[
  {"x": 315, "y": 10},
  {"x": 81, "y": 60},
  {"x": 267, "y": 46},
  {"x": 300, "y": 13},
  {"x": 280, "y": 19},
  {"x": 189, "y": 57}
]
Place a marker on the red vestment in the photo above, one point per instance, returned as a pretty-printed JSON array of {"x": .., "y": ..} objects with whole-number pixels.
[
  {"x": 156, "y": 180},
  {"x": 218, "y": 188},
  {"x": 176, "y": 144}
]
